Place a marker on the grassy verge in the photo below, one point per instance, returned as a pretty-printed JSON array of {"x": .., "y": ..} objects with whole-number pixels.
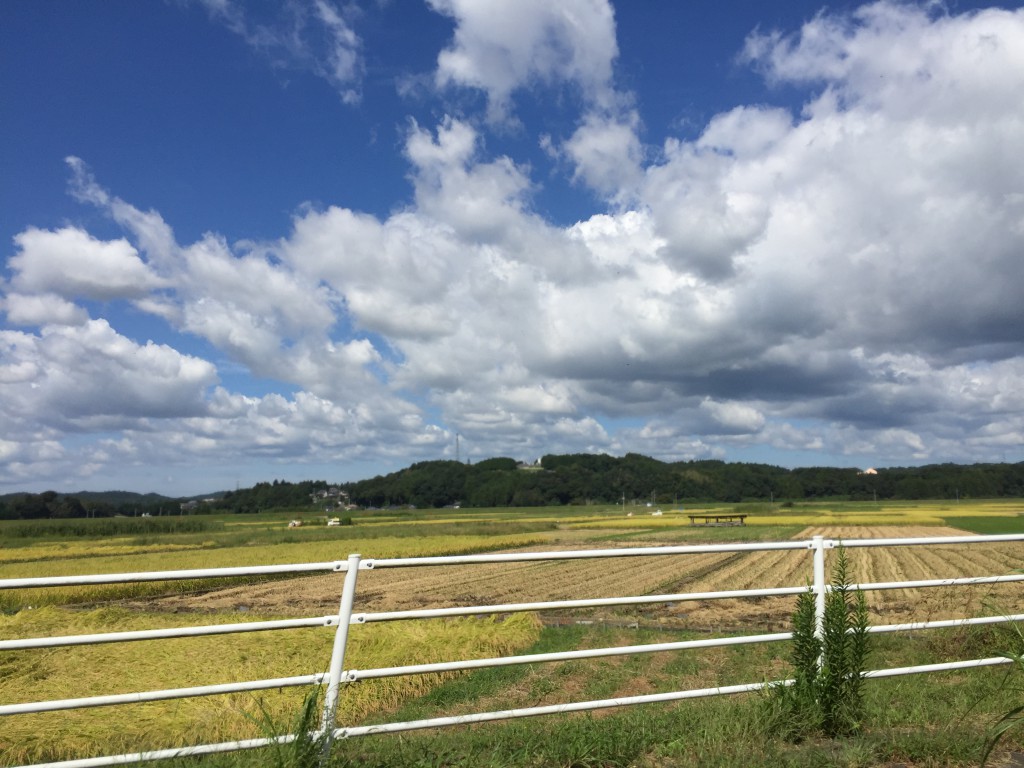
[
  {"x": 916, "y": 721},
  {"x": 926, "y": 720}
]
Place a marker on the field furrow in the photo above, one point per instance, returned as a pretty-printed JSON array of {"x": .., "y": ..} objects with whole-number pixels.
[{"x": 386, "y": 589}]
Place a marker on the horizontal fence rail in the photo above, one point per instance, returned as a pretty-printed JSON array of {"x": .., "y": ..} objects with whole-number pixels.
[
  {"x": 195, "y": 573},
  {"x": 336, "y": 676}
]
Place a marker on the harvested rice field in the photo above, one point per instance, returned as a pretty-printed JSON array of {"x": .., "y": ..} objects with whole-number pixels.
[
  {"x": 389, "y": 589},
  {"x": 61, "y": 672}
]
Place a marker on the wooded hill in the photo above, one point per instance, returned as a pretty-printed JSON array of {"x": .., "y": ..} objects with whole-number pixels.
[
  {"x": 587, "y": 478},
  {"x": 52, "y": 505},
  {"x": 559, "y": 480}
]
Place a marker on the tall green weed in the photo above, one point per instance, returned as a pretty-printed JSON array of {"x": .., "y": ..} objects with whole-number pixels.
[{"x": 826, "y": 695}]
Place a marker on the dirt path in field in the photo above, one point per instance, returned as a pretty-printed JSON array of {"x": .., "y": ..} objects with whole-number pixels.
[{"x": 388, "y": 589}]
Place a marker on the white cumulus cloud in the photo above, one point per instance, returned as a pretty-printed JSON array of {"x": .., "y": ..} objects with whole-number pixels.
[
  {"x": 72, "y": 263},
  {"x": 840, "y": 279},
  {"x": 502, "y": 47}
]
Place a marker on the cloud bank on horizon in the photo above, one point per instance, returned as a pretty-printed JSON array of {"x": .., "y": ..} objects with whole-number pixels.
[{"x": 834, "y": 280}]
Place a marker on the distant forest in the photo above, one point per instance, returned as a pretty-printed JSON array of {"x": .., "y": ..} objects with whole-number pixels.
[
  {"x": 557, "y": 480},
  {"x": 587, "y": 478}
]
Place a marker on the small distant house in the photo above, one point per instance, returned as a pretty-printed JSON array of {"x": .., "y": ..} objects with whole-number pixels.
[{"x": 333, "y": 492}]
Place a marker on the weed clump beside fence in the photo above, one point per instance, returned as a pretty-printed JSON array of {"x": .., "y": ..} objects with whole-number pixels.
[{"x": 826, "y": 695}]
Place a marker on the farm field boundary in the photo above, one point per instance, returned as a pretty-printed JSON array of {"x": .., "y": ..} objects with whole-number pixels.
[{"x": 336, "y": 678}]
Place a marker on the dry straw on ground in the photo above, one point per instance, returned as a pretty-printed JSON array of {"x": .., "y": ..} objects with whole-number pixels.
[{"x": 152, "y": 665}]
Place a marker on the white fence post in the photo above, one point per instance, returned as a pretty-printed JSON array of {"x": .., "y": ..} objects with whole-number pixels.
[
  {"x": 818, "y": 545},
  {"x": 348, "y": 593}
]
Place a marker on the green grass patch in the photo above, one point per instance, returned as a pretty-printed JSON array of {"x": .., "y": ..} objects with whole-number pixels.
[
  {"x": 987, "y": 525},
  {"x": 106, "y": 526},
  {"x": 914, "y": 721},
  {"x": 926, "y": 720}
]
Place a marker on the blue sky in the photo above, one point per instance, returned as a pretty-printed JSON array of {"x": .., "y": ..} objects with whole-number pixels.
[{"x": 247, "y": 241}]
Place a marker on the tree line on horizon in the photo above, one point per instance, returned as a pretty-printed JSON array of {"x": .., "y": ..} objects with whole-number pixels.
[
  {"x": 634, "y": 478},
  {"x": 563, "y": 480}
]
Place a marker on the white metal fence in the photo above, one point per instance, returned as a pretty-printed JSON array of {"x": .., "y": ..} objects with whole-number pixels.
[{"x": 336, "y": 675}]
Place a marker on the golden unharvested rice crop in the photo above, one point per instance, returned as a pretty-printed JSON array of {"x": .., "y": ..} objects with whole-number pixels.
[
  {"x": 644, "y": 519},
  {"x": 98, "y": 670},
  {"x": 848, "y": 519},
  {"x": 47, "y": 552},
  {"x": 817, "y": 517},
  {"x": 902, "y": 514}
]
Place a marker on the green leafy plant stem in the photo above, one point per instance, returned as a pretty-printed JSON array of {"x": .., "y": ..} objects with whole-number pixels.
[{"x": 826, "y": 695}]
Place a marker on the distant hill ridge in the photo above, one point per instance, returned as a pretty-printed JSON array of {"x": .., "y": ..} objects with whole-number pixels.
[
  {"x": 558, "y": 480},
  {"x": 590, "y": 478},
  {"x": 119, "y": 497},
  {"x": 50, "y": 504}
]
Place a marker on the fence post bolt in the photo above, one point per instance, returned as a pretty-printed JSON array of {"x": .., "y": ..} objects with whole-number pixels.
[{"x": 348, "y": 593}]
